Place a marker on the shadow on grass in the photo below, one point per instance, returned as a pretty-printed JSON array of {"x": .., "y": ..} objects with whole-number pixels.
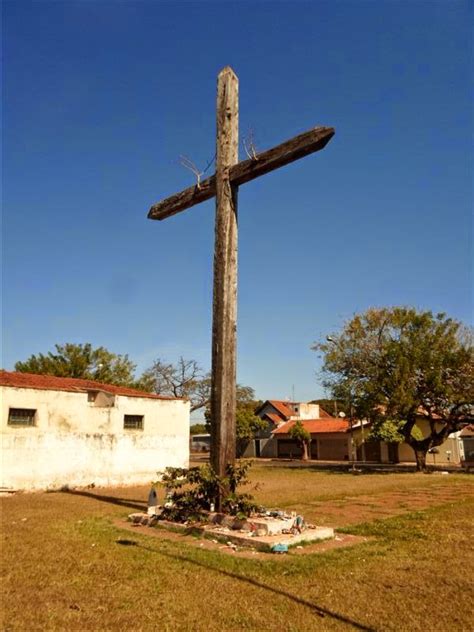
[
  {"x": 318, "y": 610},
  {"x": 139, "y": 505}
]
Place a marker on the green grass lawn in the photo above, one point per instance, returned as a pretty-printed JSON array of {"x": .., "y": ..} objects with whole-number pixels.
[{"x": 63, "y": 569}]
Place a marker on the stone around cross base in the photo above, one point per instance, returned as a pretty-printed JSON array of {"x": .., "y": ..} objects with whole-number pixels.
[
  {"x": 139, "y": 518},
  {"x": 154, "y": 510},
  {"x": 261, "y": 525}
]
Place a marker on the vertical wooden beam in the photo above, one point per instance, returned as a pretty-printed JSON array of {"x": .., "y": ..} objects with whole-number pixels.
[{"x": 224, "y": 323}]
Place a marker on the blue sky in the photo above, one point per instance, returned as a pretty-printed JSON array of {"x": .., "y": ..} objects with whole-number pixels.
[{"x": 101, "y": 98}]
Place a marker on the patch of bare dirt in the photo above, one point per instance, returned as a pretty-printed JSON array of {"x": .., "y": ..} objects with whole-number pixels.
[{"x": 366, "y": 508}]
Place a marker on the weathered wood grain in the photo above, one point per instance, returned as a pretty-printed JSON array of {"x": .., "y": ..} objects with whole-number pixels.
[
  {"x": 224, "y": 316},
  {"x": 302, "y": 145}
]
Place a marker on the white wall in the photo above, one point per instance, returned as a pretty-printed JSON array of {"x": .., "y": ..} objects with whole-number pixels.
[
  {"x": 75, "y": 442},
  {"x": 308, "y": 411}
]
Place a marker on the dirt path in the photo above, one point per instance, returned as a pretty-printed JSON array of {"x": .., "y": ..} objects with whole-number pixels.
[{"x": 366, "y": 508}]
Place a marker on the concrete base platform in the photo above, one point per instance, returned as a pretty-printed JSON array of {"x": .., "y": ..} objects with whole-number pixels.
[
  {"x": 245, "y": 539},
  {"x": 262, "y": 531},
  {"x": 265, "y": 542},
  {"x": 261, "y": 525}
]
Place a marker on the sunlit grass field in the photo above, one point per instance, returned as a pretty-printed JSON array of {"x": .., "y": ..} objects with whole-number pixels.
[{"x": 64, "y": 570}]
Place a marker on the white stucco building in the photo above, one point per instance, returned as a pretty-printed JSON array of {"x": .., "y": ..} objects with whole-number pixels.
[{"x": 66, "y": 431}]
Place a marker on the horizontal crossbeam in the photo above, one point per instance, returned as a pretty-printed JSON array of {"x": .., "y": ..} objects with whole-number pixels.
[{"x": 289, "y": 151}]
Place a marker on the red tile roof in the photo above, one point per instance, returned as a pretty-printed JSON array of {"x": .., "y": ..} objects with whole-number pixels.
[
  {"x": 323, "y": 413},
  {"x": 281, "y": 407},
  {"x": 53, "y": 383},
  {"x": 468, "y": 431},
  {"x": 317, "y": 426},
  {"x": 274, "y": 418}
]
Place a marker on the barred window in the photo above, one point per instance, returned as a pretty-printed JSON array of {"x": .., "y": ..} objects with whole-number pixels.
[
  {"x": 21, "y": 417},
  {"x": 133, "y": 422}
]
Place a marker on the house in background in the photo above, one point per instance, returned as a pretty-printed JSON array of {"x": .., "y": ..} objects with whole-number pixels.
[
  {"x": 331, "y": 438},
  {"x": 277, "y": 412},
  {"x": 66, "y": 431},
  {"x": 450, "y": 452}
]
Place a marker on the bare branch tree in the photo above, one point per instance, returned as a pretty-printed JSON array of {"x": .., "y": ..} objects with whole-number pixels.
[{"x": 183, "y": 379}]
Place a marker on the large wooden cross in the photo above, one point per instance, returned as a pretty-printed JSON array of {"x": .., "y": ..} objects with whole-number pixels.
[{"x": 224, "y": 184}]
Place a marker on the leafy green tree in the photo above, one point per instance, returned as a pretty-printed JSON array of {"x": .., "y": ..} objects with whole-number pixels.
[
  {"x": 299, "y": 433},
  {"x": 198, "y": 429},
  {"x": 400, "y": 365},
  {"x": 331, "y": 406},
  {"x": 247, "y": 423},
  {"x": 82, "y": 361},
  {"x": 388, "y": 430}
]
